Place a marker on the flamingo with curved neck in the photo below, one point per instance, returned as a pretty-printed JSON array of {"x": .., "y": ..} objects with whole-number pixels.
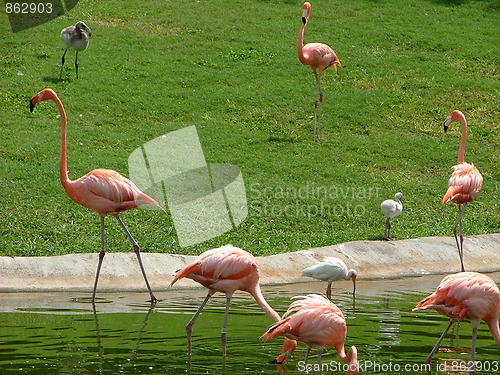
[
  {"x": 104, "y": 191},
  {"x": 318, "y": 56},
  {"x": 226, "y": 270},
  {"x": 464, "y": 184}
]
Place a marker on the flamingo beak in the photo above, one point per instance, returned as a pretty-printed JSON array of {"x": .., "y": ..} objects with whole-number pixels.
[
  {"x": 353, "y": 285},
  {"x": 32, "y": 103},
  {"x": 447, "y": 123},
  {"x": 304, "y": 20}
]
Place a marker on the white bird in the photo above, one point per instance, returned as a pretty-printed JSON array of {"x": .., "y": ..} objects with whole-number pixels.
[
  {"x": 391, "y": 208},
  {"x": 330, "y": 270},
  {"x": 75, "y": 37}
]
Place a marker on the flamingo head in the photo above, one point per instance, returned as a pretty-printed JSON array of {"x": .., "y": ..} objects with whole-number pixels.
[
  {"x": 45, "y": 94},
  {"x": 354, "y": 275},
  {"x": 306, "y": 9},
  {"x": 398, "y": 196},
  {"x": 83, "y": 27},
  {"x": 454, "y": 116},
  {"x": 336, "y": 62}
]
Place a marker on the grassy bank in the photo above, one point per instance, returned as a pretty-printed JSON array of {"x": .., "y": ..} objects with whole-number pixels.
[{"x": 230, "y": 68}]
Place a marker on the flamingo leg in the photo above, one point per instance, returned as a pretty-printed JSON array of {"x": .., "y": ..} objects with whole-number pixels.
[
  {"x": 137, "y": 251},
  {"x": 329, "y": 291},
  {"x": 460, "y": 244},
  {"x": 317, "y": 105},
  {"x": 224, "y": 324},
  {"x": 320, "y": 353},
  {"x": 101, "y": 257},
  {"x": 434, "y": 350},
  {"x": 307, "y": 355},
  {"x": 189, "y": 326},
  {"x": 62, "y": 62},
  {"x": 472, "y": 369},
  {"x": 76, "y": 64},
  {"x": 387, "y": 231}
]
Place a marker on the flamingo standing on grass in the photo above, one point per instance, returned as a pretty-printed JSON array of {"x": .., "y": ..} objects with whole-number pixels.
[
  {"x": 464, "y": 184},
  {"x": 315, "y": 320},
  {"x": 76, "y": 37},
  {"x": 330, "y": 270},
  {"x": 465, "y": 295},
  {"x": 227, "y": 269},
  {"x": 391, "y": 208},
  {"x": 318, "y": 56},
  {"x": 102, "y": 190}
]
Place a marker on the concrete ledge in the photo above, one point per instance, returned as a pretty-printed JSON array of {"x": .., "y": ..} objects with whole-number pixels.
[{"x": 372, "y": 260}]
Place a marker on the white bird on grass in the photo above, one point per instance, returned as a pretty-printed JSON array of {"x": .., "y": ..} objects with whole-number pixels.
[
  {"x": 75, "y": 37},
  {"x": 330, "y": 270},
  {"x": 391, "y": 208}
]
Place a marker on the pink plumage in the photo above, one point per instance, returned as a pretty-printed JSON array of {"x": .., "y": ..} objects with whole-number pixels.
[
  {"x": 316, "y": 321},
  {"x": 102, "y": 190},
  {"x": 465, "y": 295},
  {"x": 226, "y": 269}
]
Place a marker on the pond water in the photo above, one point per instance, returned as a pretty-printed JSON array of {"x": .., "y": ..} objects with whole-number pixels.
[{"x": 60, "y": 333}]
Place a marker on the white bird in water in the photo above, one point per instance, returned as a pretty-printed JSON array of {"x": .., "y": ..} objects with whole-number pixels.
[
  {"x": 391, "y": 208},
  {"x": 76, "y": 37},
  {"x": 330, "y": 270}
]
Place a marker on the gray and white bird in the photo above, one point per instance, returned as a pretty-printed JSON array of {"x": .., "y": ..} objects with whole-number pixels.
[
  {"x": 330, "y": 270},
  {"x": 391, "y": 208},
  {"x": 76, "y": 37}
]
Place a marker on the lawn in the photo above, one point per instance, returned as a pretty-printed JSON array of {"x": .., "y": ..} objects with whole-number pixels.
[{"x": 231, "y": 69}]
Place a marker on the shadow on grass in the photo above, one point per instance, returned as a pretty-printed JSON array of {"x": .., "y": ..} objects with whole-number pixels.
[{"x": 54, "y": 79}]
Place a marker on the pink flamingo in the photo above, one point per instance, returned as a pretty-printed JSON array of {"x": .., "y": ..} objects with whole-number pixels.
[
  {"x": 465, "y": 295},
  {"x": 226, "y": 269},
  {"x": 319, "y": 56},
  {"x": 315, "y": 320},
  {"x": 464, "y": 184},
  {"x": 102, "y": 190}
]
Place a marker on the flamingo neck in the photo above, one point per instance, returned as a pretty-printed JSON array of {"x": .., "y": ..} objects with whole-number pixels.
[
  {"x": 494, "y": 329},
  {"x": 463, "y": 141},
  {"x": 257, "y": 295},
  {"x": 300, "y": 44},
  {"x": 63, "y": 161},
  {"x": 351, "y": 358}
]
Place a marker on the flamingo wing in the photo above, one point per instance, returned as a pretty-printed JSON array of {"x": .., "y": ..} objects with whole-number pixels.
[
  {"x": 107, "y": 192},
  {"x": 464, "y": 184},
  {"x": 467, "y": 295},
  {"x": 320, "y": 55},
  {"x": 223, "y": 269}
]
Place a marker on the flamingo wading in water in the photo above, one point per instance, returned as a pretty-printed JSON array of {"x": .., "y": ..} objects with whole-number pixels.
[
  {"x": 226, "y": 269},
  {"x": 315, "y": 320},
  {"x": 465, "y": 295},
  {"x": 318, "y": 56},
  {"x": 464, "y": 184},
  {"x": 102, "y": 190},
  {"x": 391, "y": 208},
  {"x": 330, "y": 270},
  {"x": 76, "y": 37}
]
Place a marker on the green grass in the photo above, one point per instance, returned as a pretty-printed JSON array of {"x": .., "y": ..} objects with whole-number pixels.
[{"x": 230, "y": 68}]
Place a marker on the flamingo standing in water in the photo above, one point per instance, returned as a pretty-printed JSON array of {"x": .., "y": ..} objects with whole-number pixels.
[
  {"x": 76, "y": 37},
  {"x": 318, "y": 56},
  {"x": 465, "y": 295},
  {"x": 464, "y": 184},
  {"x": 391, "y": 208},
  {"x": 315, "y": 320},
  {"x": 226, "y": 269},
  {"x": 102, "y": 190},
  {"x": 330, "y": 270}
]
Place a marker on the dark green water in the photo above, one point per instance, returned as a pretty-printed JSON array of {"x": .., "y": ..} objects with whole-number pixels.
[{"x": 61, "y": 334}]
